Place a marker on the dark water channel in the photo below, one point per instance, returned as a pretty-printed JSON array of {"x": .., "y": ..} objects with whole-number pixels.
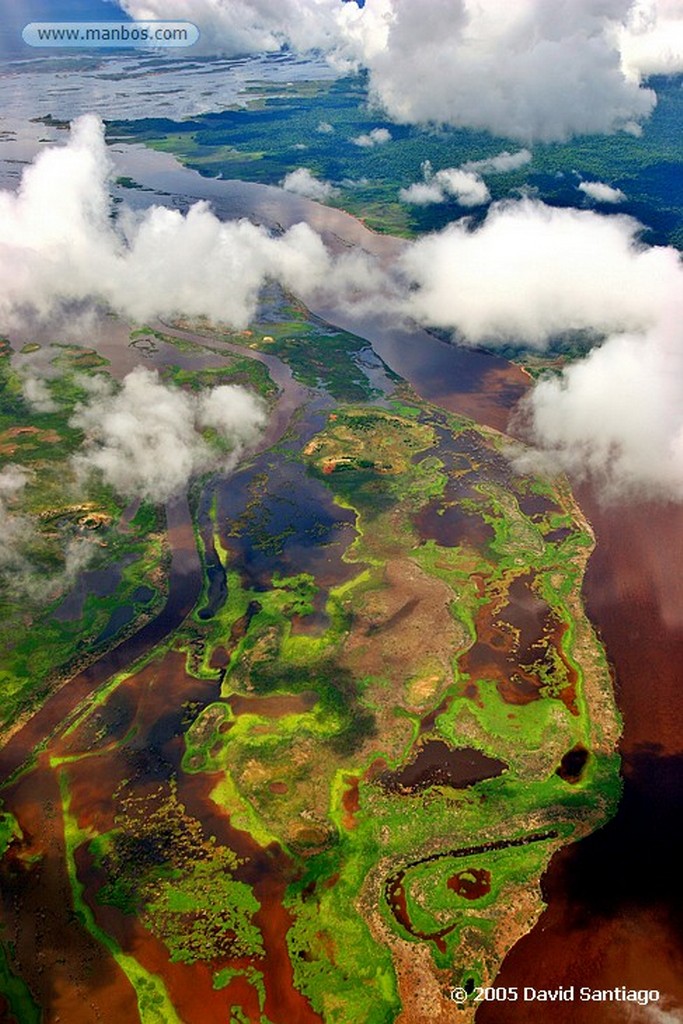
[{"x": 437, "y": 764}]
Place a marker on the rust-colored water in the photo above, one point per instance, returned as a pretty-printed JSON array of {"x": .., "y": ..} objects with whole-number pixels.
[
  {"x": 615, "y": 900},
  {"x": 472, "y": 883},
  {"x": 436, "y": 764},
  {"x": 511, "y": 640},
  {"x": 136, "y": 736},
  {"x": 184, "y": 587},
  {"x": 70, "y": 974}
]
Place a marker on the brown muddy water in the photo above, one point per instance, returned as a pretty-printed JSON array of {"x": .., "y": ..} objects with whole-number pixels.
[
  {"x": 472, "y": 883},
  {"x": 184, "y": 586},
  {"x": 437, "y": 764},
  {"x": 394, "y": 888},
  {"x": 513, "y": 640},
  {"x": 153, "y": 703},
  {"x": 615, "y": 899}
]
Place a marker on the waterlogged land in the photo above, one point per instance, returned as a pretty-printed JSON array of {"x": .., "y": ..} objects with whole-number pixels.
[
  {"x": 328, "y": 795},
  {"x": 80, "y": 565}
]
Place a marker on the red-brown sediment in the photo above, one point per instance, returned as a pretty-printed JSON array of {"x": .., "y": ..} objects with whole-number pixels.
[{"x": 611, "y": 918}]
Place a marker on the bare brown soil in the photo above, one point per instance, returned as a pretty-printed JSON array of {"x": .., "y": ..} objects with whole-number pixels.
[{"x": 403, "y": 625}]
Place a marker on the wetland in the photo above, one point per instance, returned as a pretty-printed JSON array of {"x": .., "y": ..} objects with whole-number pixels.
[{"x": 332, "y": 755}]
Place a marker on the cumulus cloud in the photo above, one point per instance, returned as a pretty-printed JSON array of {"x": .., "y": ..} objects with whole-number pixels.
[
  {"x": 651, "y": 42},
  {"x": 601, "y": 192},
  {"x": 376, "y": 137},
  {"x": 148, "y": 439},
  {"x": 465, "y": 186},
  {"x": 37, "y": 393},
  {"x": 58, "y": 244},
  {"x": 526, "y": 70},
  {"x": 502, "y": 163},
  {"x": 531, "y": 272},
  {"x": 422, "y": 193},
  {"x": 527, "y": 274},
  {"x": 615, "y": 416},
  {"x": 236, "y": 27},
  {"x": 304, "y": 183}
]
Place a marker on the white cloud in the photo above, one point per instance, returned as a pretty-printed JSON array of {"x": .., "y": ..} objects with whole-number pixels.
[
  {"x": 304, "y": 183},
  {"x": 422, "y": 193},
  {"x": 531, "y": 69},
  {"x": 12, "y": 481},
  {"x": 527, "y": 274},
  {"x": 325, "y": 128},
  {"x": 601, "y": 192},
  {"x": 617, "y": 415},
  {"x": 375, "y": 137},
  {"x": 37, "y": 393},
  {"x": 59, "y": 245},
  {"x": 530, "y": 272},
  {"x": 236, "y": 27},
  {"x": 466, "y": 187},
  {"x": 15, "y": 529},
  {"x": 651, "y": 42},
  {"x": 146, "y": 439},
  {"x": 527, "y": 70},
  {"x": 502, "y": 163}
]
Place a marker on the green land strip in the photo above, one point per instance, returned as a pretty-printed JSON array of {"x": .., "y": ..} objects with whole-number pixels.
[{"x": 154, "y": 1004}]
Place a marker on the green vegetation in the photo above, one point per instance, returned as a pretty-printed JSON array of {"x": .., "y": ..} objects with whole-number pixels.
[
  {"x": 69, "y": 532},
  {"x": 337, "y": 963},
  {"x": 277, "y": 133},
  {"x": 161, "y": 866},
  {"x": 154, "y": 1005},
  {"x": 308, "y": 686},
  {"x": 21, "y": 1003},
  {"x": 449, "y": 613},
  {"x": 237, "y": 370},
  {"x": 205, "y": 914},
  {"x": 444, "y": 610},
  {"x": 318, "y": 710},
  {"x": 319, "y": 356},
  {"x": 9, "y": 828},
  {"x": 62, "y": 527}
]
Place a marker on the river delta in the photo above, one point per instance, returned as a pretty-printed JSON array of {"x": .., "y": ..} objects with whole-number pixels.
[
  {"x": 318, "y": 727},
  {"x": 324, "y": 781}
]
